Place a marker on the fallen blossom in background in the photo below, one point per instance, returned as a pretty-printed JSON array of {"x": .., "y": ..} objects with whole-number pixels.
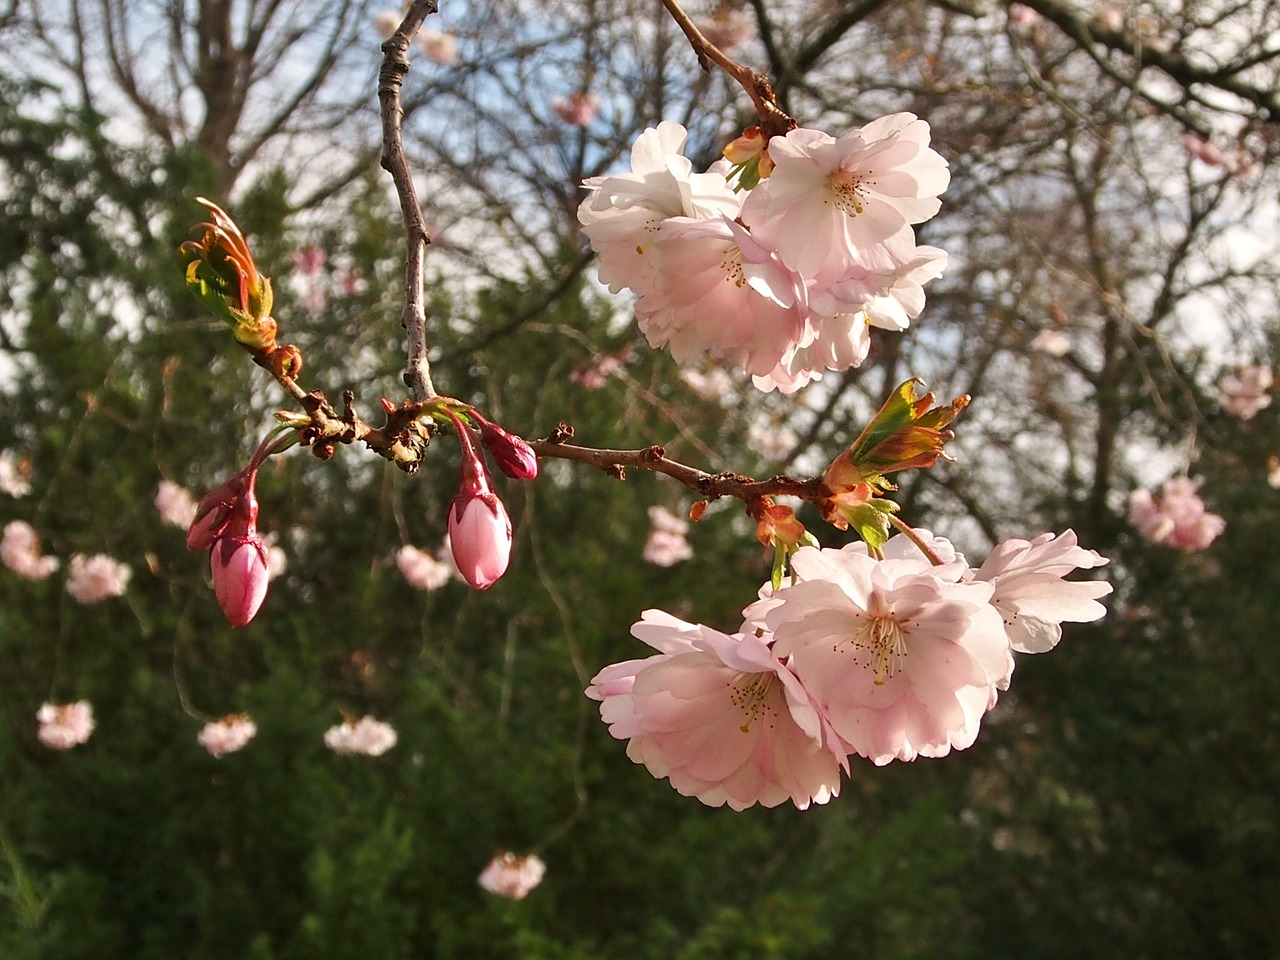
[
  {"x": 1235, "y": 161},
  {"x": 277, "y": 559},
  {"x": 720, "y": 716},
  {"x": 771, "y": 440},
  {"x": 367, "y": 736},
  {"x": 1273, "y": 471},
  {"x": 1020, "y": 15},
  {"x": 1110, "y": 18},
  {"x": 386, "y": 22},
  {"x": 20, "y": 552},
  {"x": 175, "y": 504},
  {"x": 421, "y": 570},
  {"x": 715, "y": 385},
  {"x": 227, "y": 735},
  {"x": 309, "y": 261},
  {"x": 728, "y": 27},
  {"x": 350, "y": 283},
  {"x": 666, "y": 545},
  {"x": 13, "y": 475},
  {"x": 1177, "y": 518},
  {"x": 595, "y": 372},
  {"x": 438, "y": 47},
  {"x": 64, "y": 726},
  {"x": 1050, "y": 341},
  {"x": 96, "y": 578},
  {"x": 1247, "y": 391},
  {"x": 578, "y": 110},
  {"x": 512, "y": 877}
]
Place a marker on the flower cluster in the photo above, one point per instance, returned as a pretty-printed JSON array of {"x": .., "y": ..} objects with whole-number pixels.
[
  {"x": 1247, "y": 391},
  {"x": 888, "y": 658},
  {"x": 96, "y": 578},
  {"x": 1176, "y": 518},
  {"x": 780, "y": 276},
  {"x": 15, "y": 475},
  {"x": 366, "y": 736},
  {"x": 510, "y": 876},
  {"x": 422, "y": 571},
  {"x": 666, "y": 545},
  {"x": 227, "y": 735},
  {"x": 20, "y": 552},
  {"x": 64, "y": 726},
  {"x": 175, "y": 504}
]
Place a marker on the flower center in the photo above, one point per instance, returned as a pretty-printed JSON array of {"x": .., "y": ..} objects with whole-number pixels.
[
  {"x": 755, "y": 694},
  {"x": 850, "y": 190},
  {"x": 732, "y": 266},
  {"x": 880, "y": 640}
]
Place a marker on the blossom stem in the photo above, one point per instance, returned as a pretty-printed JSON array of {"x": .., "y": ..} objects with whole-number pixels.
[
  {"x": 914, "y": 537},
  {"x": 395, "y": 64},
  {"x": 774, "y": 121}
]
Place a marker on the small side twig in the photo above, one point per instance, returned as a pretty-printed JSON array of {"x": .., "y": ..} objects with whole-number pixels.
[
  {"x": 774, "y": 121},
  {"x": 395, "y": 64}
]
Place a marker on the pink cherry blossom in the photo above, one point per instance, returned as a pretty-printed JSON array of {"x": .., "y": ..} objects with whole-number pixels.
[
  {"x": 175, "y": 504},
  {"x": 1177, "y": 518},
  {"x": 63, "y": 726},
  {"x": 773, "y": 441},
  {"x": 386, "y": 22},
  {"x": 1020, "y": 15},
  {"x": 728, "y": 27},
  {"x": 1110, "y": 18},
  {"x": 595, "y": 372},
  {"x": 829, "y": 197},
  {"x": 578, "y": 110},
  {"x": 1050, "y": 341},
  {"x": 20, "y": 552},
  {"x": 903, "y": 657},
  {"x": 438, "y": 47},
  {"x": 666, "y": 545},
  {"x": 714, "y": 385},
  {"x": 367, "y": 737},
  {"x": 309, "y": 261},
  {"x": 622, "y": 213},
  {"x": 14, "y": 475},
  {"x": 512, "y": 877},
  {"x": 718, "y": 291},
  {"x": 227, "y": 735},
  {"x": 96, "y": 578},
  {"x": 1031, "y": 595},
  {"x": 720, "y": 716},
  {"x": 421, "y": 570},
  {"x": 1247, "y": 391}
]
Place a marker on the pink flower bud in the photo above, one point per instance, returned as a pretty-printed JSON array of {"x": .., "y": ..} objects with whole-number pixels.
[
  {"x": 480, "y": 537},
  {"x": 240, "y": 575},
  {"x": 514, "y": 456}
]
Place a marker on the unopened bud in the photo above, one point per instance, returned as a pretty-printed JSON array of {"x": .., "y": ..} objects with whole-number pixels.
[
  {"x": 480, "y": 537},
  {"x": 240, "y": 575},
  {"x": 513, "y": 455}
]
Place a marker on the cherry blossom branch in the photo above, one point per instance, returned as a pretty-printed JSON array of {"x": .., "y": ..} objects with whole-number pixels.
[
  {"x": 774, "y": 121},
  {"x": 712, "y": 486},
  {"x": 395, "y": 64}
]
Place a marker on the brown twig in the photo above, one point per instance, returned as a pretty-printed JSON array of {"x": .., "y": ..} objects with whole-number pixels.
[
  {"x": 774, "y": 121},
  {"x": 395, "y": 64},
  {"x": 712, "y": 486}
]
